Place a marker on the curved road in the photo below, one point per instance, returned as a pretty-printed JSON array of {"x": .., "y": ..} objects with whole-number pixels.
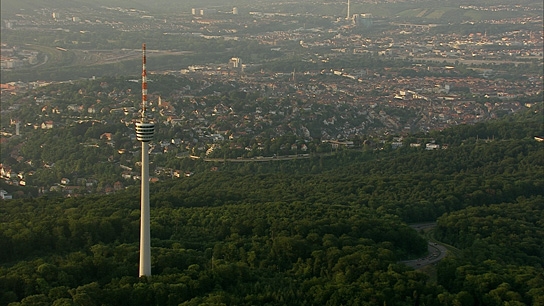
[{"x": 436, "y": 250}]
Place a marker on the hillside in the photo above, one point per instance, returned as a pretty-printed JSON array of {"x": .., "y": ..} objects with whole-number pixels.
[{"x": 324, "y": 231}]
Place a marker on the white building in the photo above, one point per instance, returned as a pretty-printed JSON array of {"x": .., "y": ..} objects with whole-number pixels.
[
  {"x": 235, "y": 62},
  {"x": 4, "y": 195}
]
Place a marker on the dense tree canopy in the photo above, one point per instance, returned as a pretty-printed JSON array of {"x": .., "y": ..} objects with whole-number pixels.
[{"x": 328, "y": 230}]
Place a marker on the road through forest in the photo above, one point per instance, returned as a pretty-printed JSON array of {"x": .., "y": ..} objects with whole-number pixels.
[{"x": 436, "y": 250}]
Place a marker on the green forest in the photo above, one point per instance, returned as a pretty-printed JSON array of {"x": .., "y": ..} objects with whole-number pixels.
[{"x": 327, "y": 230}]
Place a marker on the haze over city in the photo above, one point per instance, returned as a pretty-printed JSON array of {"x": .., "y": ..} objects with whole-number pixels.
[{"x": 275, "y": 153}]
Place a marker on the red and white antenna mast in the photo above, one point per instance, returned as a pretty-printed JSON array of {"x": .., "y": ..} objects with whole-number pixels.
[{"x": 144, "y": 84}]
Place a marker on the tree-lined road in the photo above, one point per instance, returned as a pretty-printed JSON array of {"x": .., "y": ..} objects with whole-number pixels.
[{"x": 436, "y": 251}]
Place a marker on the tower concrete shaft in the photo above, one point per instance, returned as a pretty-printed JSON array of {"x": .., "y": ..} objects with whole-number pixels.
[
  {"x": 145, "y": 129},
  {"x": 145, "y": 227}
]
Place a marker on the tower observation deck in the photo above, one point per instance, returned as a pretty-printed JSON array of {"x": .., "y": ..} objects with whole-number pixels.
[{"x": 145, "y": 131}]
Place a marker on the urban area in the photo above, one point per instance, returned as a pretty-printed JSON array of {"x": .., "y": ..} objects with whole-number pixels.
[{"x": 336, "y": 82}]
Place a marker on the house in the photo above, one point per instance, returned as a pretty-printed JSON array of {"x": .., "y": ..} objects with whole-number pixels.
[
  {"x": 108, "y": 189},
  {"x": 396, "y": 144},
  {"x": 70, "y": 190},
  {"x": 47, "y": 125},
  {"x": 6, "y": 172},
  {"x": 92, "y": 109},
  {"x": 169, "y": 148},
  {"x": 432, "y": 146},
  {"x": 4, "y": 195},
  {"x": 118, "y": 186},
  {"x": 90, "y": 183},
  {"x": 106, "y": 136},
  {"x": 335, "y": 144},
  {"x": 73, "y": 107}
]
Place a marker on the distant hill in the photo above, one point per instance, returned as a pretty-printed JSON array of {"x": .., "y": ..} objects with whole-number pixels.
[
  {"x": 10, "y": 6},
  {"x": 425, "y": 9}
]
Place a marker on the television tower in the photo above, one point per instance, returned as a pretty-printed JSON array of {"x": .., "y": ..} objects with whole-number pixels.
[
  {"x": 145, "y": 129},
  {"x": 347, "y": 17}
]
